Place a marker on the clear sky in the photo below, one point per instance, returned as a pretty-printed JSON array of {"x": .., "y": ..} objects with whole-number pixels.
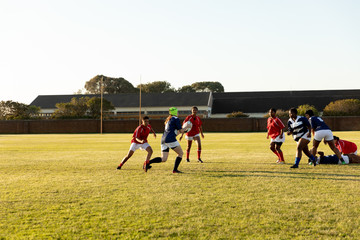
[{"x": 54, "y": 46}]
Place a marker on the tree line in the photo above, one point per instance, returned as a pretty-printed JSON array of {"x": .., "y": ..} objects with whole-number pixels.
[{"x": 120, "y": 85}]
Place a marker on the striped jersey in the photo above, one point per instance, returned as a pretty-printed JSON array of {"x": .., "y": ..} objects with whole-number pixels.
[{"x": 299, "y": 127}]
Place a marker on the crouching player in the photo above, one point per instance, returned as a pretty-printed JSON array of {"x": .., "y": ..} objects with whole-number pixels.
[
  {"x": 321, "y": 131},
  {"x": 276, "y": 132},
  {"x": 139, "y": 140},
  {"x": 194, "y": 133},
  {"x": 168, "y": 140}
]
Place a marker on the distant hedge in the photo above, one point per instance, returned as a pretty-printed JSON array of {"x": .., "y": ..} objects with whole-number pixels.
[
  {"x": 237, "y": 115},
  {"x": 344, "y": 107}
]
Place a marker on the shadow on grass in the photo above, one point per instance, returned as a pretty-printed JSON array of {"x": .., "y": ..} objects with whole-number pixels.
[{"x": 301, "y": 175}]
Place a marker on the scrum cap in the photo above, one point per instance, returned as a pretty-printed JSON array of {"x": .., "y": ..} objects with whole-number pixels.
[{"x": 173, "y": 111}]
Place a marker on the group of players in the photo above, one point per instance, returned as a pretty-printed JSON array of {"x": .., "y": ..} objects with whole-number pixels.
[
  {"x": 173, "y": 127},
  {"x": 301, "y": 128}
]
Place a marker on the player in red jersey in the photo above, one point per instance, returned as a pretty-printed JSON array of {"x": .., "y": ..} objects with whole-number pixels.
[
  {"x": 194, "y": 133},
  {"x": 345, "y": 147},
  {"x": 139, "y": 140},
  {"x": 275, "y": 130}
]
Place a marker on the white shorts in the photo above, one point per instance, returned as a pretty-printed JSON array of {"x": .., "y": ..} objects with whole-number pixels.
[
  {"x": 166, "y": 146},
  {"x": 346, "y": 159},
  {"x": 190, "y": 138},
  {"x": 278, "y": 139},
  {"x": 305, "y": 136},
  {"x": 323, "y": 134},
  {"x": 136, "y": 146}
]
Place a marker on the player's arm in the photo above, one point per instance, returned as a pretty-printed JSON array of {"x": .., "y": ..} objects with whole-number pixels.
[
  {"x": 152, "y": 130},
  {"x": 139, "y": 140},
  {"x": 201, "y": 131},
  {"x": 181, "y": 136}
]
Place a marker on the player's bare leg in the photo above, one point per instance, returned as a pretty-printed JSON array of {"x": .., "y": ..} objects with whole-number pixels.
[
  {"x": 198, "y": 142},
  {"x": 188, "y": 150},
  {"x": 178, "y": 159},
  {"x": 146, "y": 165},
  {"x": 273, "y": 149},
  {"x": 335, "y": 150},
  {"x": 130, "y": 153},
  {"x": 302, "y": 144},
  {"x": 354, "y": 158},
  {"x": 280, "y": 153}
]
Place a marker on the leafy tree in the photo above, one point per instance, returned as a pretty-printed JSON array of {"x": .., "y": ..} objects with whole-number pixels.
[
  {"x": 94, "y": 106},
  {"x": 76, "y": 108},
  {"x": 186, "y": 89},
  {"x": 15, "y": 110},
  {"x": 208, "y": 87},
  {"x": 111, "y": 85},
  {"x": 156, "y": 87},
  {"x": 303, "y": 108},
  {"x": 344, "y": 107},
  {"x": 83, "y": 107}
]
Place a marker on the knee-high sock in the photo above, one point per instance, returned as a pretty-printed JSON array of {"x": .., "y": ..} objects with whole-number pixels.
[
  {"x": 155, "y": 160},
  {"x": 199, "y": 153},
  {"x": 276, "y": 153},
  {"x": 281, "y": 156},
  {"x": 177, "y": 163},
  {"x": 187, "y": 154}
]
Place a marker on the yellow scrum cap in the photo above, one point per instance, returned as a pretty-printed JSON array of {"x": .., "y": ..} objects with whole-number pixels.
[{"x": 173, "y": 111}]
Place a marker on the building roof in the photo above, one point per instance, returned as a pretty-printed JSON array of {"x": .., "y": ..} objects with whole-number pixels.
[
  {"x": 128, "y": 100},
  {"x": 257, "y": 102}
]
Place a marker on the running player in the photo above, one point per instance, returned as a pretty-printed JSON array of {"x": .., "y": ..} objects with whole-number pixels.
[
  {"x": 321, "y": 131},
  {"x": 300, "y": 128},
  {"x": 139, "y": 140},
  {"x": 194, "y": 133},
  {"x": 275, "y": 130},
  {"x": 168, "y": 140}
]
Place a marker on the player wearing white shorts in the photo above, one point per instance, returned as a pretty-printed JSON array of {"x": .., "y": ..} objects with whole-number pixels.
[
  {"x": 321, "y": 131},
  {"x": 139, "y": 141},
  {"x": 300, "y": 128},
  {"x": 168, "y": 141},
  {"x": 275, "y": 130},
  {"x": 194, "y": 133}
]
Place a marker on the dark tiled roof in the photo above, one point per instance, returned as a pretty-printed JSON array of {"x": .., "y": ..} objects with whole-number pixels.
[
  {"x": 257, "y": 102},
  {"x": 132, "y": 99}
]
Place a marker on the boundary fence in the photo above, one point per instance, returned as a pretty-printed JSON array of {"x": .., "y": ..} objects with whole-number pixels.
[{"x": 128, "y": 126}]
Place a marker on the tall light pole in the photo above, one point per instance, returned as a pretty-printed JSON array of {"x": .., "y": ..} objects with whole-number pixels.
[
  {"x": 101, "y": 105},
  {"x": 140, "y": 103}
]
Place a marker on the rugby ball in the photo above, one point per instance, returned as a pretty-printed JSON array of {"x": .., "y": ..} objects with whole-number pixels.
[{"x": 187, "y": 126}]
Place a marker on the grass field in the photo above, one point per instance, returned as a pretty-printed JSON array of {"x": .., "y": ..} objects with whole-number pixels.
[{"x": 67, "y": 187}]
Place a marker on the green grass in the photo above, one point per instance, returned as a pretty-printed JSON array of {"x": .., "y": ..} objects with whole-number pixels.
[{"x": 66, "y": 187}]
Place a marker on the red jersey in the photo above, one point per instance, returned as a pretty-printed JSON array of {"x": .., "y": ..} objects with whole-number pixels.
[
  {"x": 274, "y": 126},
  {"x": 141, "y": 132},
  {"x": 196, "y": 124},
  {"x": 346, "y": 147}
]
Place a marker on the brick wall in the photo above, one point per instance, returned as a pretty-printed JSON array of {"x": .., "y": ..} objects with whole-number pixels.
[{"x": 128, "y": 126}]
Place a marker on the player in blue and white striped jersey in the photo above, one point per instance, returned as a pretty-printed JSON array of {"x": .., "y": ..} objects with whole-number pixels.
[
  {"x": 321, "y": 131},
  {"x": 300, "y": 128}
]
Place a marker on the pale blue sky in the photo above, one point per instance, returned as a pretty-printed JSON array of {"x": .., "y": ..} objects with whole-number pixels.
[{"x": 54, "y": 47}]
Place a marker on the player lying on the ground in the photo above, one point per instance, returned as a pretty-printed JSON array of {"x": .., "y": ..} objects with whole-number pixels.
[{"x": 333, "y": 159}]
